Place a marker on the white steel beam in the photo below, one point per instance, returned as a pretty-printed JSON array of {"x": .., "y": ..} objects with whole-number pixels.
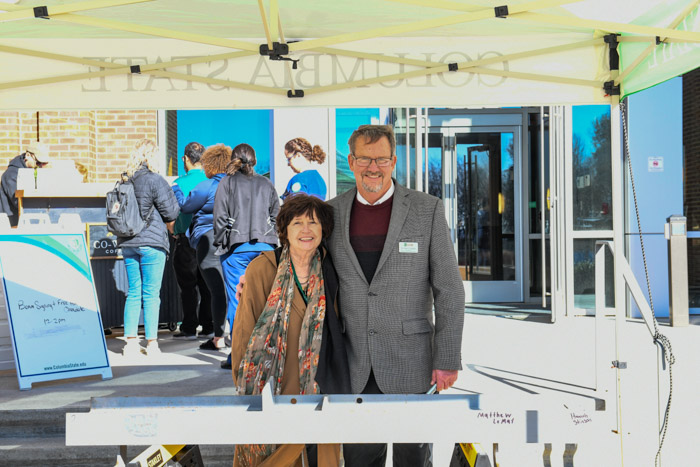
[{"x": 272, "y": 419}]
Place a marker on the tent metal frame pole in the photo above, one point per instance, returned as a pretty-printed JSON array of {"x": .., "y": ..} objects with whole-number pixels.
[
  {"x": 445, "y": 5},
  {"x": 486, "y": 13},
  {"x": 609, "y": 26},
  {"x": 117, "y": 69},
  {"x": 473, "y": 63},
  {"x": 54, "y": 11},
  {"x": 162, "y": 74},
  {"x": 478, "y": 70},
  {"x": 146, "y": 67},
  {"x": 274, "y": 19},
  {"x": 160, "y": 32},
  {"x": 578, "y": 23},
  {"x": 289, "y": 66},
  {"x": 468, "y": 67},
  {"x": 619, "y": 260},
  {"x": 666, "y": 40},
  {"x": 433, "y": 67},
  {"x": 266, "y": 26}
]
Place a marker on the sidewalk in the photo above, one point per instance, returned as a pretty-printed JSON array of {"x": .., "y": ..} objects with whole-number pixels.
[
  {"x": 505, "y": 361},
  {"x": 181, "y": 369}
]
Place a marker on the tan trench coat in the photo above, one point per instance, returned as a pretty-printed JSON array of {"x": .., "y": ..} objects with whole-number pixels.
[{"x": 259, "y": 278}]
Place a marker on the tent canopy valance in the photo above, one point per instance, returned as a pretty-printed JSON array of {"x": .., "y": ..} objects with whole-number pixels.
[{"x": 273, "y": 53}]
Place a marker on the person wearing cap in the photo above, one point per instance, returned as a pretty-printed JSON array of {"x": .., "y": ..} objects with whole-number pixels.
[
  {"x": 35, "y": 155},
  {"x": 304, "y": 159}
]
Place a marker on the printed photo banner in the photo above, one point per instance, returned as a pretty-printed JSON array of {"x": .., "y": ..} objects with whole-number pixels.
[{"x": 52, "y": 307}]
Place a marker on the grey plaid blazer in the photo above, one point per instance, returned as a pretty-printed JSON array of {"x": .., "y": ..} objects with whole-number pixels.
[{"x": 389, "y": 325}]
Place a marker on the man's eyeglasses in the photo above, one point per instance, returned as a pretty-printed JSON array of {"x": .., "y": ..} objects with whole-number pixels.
[{"x": 367, "y": 161}]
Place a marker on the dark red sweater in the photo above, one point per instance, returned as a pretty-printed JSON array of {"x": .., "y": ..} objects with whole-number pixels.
[{"x": 368, "y": 228}]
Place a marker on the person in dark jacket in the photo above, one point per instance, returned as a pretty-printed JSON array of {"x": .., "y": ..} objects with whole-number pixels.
[
  {"x": 36, "y": 155},
  {"x": 200, "y": 203},
  {"x": 245, "y": 210},
  {"x": 144, "y": 254}
]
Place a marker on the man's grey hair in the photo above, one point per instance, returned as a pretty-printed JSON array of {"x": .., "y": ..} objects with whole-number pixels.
[{"x": 371, "y": 134}]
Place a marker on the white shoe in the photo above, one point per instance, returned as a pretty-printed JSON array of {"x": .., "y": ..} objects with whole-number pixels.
[
  {"x": 152, "y": 349},
  {"x": 132, "y": 348}
]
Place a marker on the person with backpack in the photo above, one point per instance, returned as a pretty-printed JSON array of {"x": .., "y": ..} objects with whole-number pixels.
[{"x": 145, "y": 251}]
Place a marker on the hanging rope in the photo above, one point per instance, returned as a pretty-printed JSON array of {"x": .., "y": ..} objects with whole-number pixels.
[{"x": 659, "y": 338}]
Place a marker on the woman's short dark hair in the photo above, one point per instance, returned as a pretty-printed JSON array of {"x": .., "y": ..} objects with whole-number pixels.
[
  {"x": 194, "y": 151},
  {"x": 302, "y": 204}
]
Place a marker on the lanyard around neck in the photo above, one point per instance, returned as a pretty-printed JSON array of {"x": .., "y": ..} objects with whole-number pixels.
[{"x": 296, "y": 280}]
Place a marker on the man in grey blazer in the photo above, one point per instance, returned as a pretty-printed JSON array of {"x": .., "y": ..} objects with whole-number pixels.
[{"x": 395, "y": 260}]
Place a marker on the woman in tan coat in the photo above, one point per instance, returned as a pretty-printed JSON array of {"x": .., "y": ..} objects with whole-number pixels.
[{"x": 280, "y": 316}]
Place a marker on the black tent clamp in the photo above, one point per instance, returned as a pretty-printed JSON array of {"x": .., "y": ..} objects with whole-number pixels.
[
  {"x": 611, "y": 40},
  {"x": 135, "y": 69},
  {"x": 610, "y": 88},
  {"x": 501, "y": 11},
  {"x": 614, "y": 61},
  {"x": 41, "y": 12},
  {"x": 453, "y": 66},
  {"x": 277, "y": 53}
]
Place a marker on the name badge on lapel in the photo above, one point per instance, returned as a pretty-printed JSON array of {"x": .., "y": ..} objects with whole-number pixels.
[{"x": 408, "y": 247}]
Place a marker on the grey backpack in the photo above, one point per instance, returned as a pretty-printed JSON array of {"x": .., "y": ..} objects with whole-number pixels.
[{"x": 123, "y": 212}]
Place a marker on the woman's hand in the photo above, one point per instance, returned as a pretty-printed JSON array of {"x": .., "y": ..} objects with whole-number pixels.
[{"x": 239, "y": 288}]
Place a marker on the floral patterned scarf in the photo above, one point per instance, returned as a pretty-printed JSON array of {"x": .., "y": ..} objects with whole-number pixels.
[{"x": 267, "y": 348}]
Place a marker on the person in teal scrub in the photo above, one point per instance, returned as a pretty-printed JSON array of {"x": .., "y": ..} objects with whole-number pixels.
[{"x": 193, "y": 290}]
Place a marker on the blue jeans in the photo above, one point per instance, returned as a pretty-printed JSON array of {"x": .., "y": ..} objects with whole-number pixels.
[
  {"x": 233, "y": 266},
  {"x": 144, "y": 270}
]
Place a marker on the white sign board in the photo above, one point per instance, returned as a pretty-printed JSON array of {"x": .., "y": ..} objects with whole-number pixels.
[{"x": 52, "y": 306}]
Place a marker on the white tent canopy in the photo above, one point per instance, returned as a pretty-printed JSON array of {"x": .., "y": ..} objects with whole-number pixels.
[{"x": 180, "y": 53}]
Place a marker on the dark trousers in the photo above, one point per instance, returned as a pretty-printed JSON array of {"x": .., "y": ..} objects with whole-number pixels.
[
  {"x": 210, "y": 266},
  {"x": 374, "y": 455},
  {"x": 193, "y": 289}
]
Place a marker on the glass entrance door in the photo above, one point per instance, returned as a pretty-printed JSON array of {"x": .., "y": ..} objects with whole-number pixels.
[
  {"x": 472, "y": 162},
  {"x": 485, "y": 166}
]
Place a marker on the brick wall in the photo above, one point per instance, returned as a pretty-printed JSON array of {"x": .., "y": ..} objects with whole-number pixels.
[
  {"x": 100, "y": 140},
  {"x": 691, "y": 185}
]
